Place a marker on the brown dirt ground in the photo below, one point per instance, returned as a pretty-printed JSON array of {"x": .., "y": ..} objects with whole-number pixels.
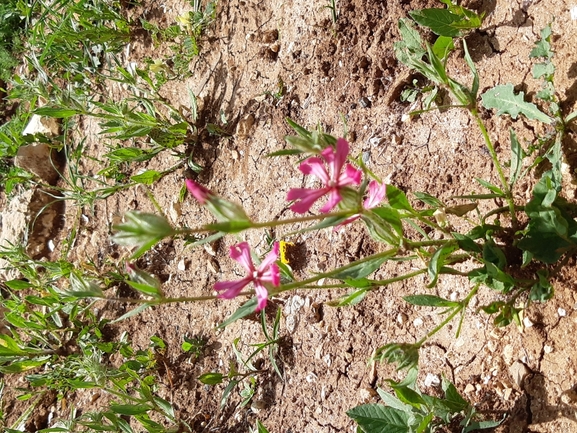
[{"x": 330, "y": 72}]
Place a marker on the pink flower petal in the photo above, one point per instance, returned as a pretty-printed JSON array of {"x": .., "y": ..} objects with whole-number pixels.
[
  {"x": 334, "y": 199},
  {"x": 329, "y": 156},
  {"x": 340, "y": 157},
  {"x": 307, "y": 197},
  {"x": 316, "y": 167},
  {"x": 199, "y": 192},
  {"x": 271, "y": 275},
  {"x": 241, "y": 253},
  {"x": 376, "y": 194},
  {"x": 350, "y": 176},
  {"x": 261, "y": 296},
  {"x": 231, "y": 289},
  {"x": 270, "y": 257},
  {"x": 349, "y": 220}
]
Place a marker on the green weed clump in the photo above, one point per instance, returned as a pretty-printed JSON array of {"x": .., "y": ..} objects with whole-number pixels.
[{"x": 56, "y": 339}]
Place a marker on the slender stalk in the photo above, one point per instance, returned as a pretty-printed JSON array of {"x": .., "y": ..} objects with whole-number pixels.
[
  {"x": 300, "y": 284},
  {"x": 373, "y": 284},
  {"x": 463, "y": 304},
  {"x": 502, "y": 178}
]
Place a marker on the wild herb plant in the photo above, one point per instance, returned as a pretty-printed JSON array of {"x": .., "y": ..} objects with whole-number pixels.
[
  {"x": 187, "y": 33},
  {"x": 11, "y": 29},
  {"x": 354, "y": 193},
  {"x": 72, "y": 39}
]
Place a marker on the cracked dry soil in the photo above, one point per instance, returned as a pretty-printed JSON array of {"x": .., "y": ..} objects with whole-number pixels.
[{"x": 331, "y": 72}]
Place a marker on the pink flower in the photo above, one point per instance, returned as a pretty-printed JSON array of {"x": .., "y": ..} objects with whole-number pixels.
[
  {"x": 375, "y": 196},
  {"x": 333, "y": 180},
  {"x": 266, "y": 273},
  {"x": 198, "y": 191}
]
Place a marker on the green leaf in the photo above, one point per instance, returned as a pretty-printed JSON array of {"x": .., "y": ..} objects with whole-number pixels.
[
  {"x": 461, "y": 209},
  {"x": 245, "y": 310},
  {"x": 18, "y": 284},
  {"x": 284, "y": 152},
  {"x": 443, "y": 46},
  {"x": 543, "y": 46},
  {"x": 429, "y": 301},
  {"x": 471, "y": 64},
  {"x": 143, "y": 230},
  {"x": 233, "y": 226},
  {"x": 147, "y": 178},
  {"x": 360, "y": 269},
  {"x": 299, "y": 129},
  {"x": 397, "y": 198},
  {"x": 375, "y": 418},
  {"x": 260, "y": 428},
  {"x": 542, "y": 290},
  {"x": 81, "y": 287},
  {"x": 165, "y": 406},
  {"x": 392, "y": 401},
  {"x": 517, "y": 155},
  {"x": 409, "y": 396},
  {"x": 130, "y": 409},
  {"x": 467, "y": 243},
  {"x": 226, "y": 393},
  {"x": 571, "y": 117},
  {"x": 481, "y": 425},
  {"x": 21, "y": 366},
  {"x": 453, "y": 400},
  {"x": 327, "y": 222},
  {"x": 59, "y": 113},
  {"x": 491, "y": 187},
  {"x": 131, "y": 313},
  {"x": 428, "y": 199},
  {"x": 440, "y": 21},
  {"x": 350, "y": 299},
  {"x": 405, "y": 355},
  {"x": 504, "y": 99},
  {"x": 211, "y": 378},
  {"x": 437, "y": 263},
  {"x": 146, "y": 289},
  {"x": 411, "y": 40}
]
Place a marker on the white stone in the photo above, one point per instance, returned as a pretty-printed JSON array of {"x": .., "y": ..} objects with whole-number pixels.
[{"x": 432, "y": 380}]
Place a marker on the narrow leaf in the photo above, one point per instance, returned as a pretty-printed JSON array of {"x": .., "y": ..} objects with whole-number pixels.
[
  {"x": 147, "y": 178},
  {"x": 211, "y": 378},
  {"x": 517, "y": 155},
  {"x": 491, "y": 187},
  {"x": 429, "y": 301},
  {"x": 350, "y": 299},
  {"x": 359, "y": 270},
  {"x": 245, "y": 310},
  {"x": 130, "y": 409}
]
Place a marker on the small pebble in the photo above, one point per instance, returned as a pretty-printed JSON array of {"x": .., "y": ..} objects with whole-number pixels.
[{"x": 432, "y": 380}]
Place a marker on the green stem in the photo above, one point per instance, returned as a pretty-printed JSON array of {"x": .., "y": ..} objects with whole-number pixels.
[
  {"x": 500, "y": 210},
  {"x": 431, "y": 243},
  {"x": 275, "y": 223},
  {"x": 373, "y": 284},
  {"x": 267, "y": 224},
  {"x": 300, "y": 284},
  {"x": 502, "y": 178},
  {"x": 161, "y": 301},
  {"x": 463, "y": 304}
]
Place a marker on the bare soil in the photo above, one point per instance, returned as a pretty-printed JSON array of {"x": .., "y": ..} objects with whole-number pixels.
[{"x": 337, "y": 74}]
